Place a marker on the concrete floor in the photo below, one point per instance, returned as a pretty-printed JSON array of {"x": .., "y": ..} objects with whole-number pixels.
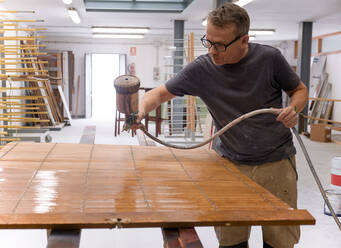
[{"x": 324, "y": 234}]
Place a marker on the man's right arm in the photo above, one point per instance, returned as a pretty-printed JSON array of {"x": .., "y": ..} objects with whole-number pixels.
[{"x": 152, "y": 99}]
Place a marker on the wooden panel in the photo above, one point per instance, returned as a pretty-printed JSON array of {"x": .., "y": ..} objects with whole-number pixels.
[
  {"x": 47, "y": 185},
  {"x": 174, "y": 237}
]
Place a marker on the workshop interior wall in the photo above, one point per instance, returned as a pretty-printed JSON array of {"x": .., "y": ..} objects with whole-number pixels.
[
  {"x": 149, "y": 56},
  {"x": 144, "y": 60}
]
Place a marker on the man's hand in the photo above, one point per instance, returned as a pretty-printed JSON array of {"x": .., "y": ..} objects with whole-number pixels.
[
  {"x": 138, "y": 123},
  {"x": 288, "y": 117},
  {"x": 140, "y": 116}
]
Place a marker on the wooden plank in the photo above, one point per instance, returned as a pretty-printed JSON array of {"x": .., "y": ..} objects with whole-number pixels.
[
  {"x": 320, "y": 119},
  {"x": 21, "y": 58},
  {"x": 21, "y": 45},
  {"x": 19, "y": 127},
  {"x": 21, "y": 54},
  {"x": 319, "y": 45},
  {"x": 22, "y": 113},
  {"x": 8, "y": 25},
  {"x": 23, "y": 104},
  {"x": 71, "y": 238},
  {"x": 181, "y": 238},
  {"x": 20, "y": 108},
  {"x": 22, "y": 97},
  {"x": 189, "y": 238},
  {"x": 9, "y": 139},
  {"x": 19, "y": 38},
  {"x": 52, "y": 99},
  {"x": 20, "y": 88},
  {"x": 324, "y": 99},
  {"x": 28, "y": 120},
  {"x": 190, "y": 99},
  {"x": 17, "y": 20},
  {"x": 24, "y": 79},
  {"x": 147, "y": 219},
  {"x": 22, "y": 29},
  {"x": 171, "y": 238},
  {"x": 22, "y": 69},
  {"x": 106, "y": 186},
  {"x": 326, "y": 53},
  {"x": 326, "y": 35}
]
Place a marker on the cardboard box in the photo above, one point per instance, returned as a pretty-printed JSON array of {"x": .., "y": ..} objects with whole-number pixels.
[{"x": 320, "y": 132}]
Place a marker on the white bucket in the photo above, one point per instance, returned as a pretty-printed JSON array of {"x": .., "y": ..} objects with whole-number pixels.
[
  {"x": 334, "y": 197},
  {"x": 335, "y": 177}
]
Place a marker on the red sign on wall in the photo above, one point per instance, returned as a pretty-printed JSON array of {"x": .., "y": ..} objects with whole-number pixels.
[{"x": 133, "y": 51}]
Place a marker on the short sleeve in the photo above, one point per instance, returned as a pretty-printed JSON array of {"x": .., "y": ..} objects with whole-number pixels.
[
  {"x": 186, "y": 81},
  {"x": 285, "y": 76}
]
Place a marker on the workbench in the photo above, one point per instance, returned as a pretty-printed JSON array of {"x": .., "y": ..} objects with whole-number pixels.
[{"x": 75, "y": 186}]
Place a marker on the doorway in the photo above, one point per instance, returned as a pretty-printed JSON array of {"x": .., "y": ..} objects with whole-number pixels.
[{"x": 105, "y": 68}]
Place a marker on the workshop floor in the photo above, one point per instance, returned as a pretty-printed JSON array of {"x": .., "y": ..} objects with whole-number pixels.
[{"x": 324, "y": 234}]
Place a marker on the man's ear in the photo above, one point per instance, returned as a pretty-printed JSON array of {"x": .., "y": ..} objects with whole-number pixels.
[{"x": 245, "y": 40}]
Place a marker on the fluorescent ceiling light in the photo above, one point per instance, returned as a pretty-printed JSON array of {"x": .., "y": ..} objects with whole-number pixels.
[
  {"x": 120, "y": 30},
  {"x": 119, "y": 36},
  {"x": 241, "y": 3},
  {"x": 74, "y": 15},
  {"x": 67, "y": 1},
  {"x": 261, "y": 31}
]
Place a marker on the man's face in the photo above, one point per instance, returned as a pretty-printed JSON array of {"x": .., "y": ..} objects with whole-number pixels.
[{"x": 233, "y": 53}]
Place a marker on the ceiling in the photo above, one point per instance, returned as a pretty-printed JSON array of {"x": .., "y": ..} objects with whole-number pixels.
[
  {"x": 151, "y": 6},
  {"x": 281, "y": 15}
]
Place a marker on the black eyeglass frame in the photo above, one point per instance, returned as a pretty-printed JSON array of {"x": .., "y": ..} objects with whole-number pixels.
[{"x": 214, "y": 43}]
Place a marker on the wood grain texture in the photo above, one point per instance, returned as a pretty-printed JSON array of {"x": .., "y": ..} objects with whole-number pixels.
[{"x": 48, "y": 185}]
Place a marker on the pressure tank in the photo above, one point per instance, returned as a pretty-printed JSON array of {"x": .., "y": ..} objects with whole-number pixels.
[{"x": 127, "y": 97}]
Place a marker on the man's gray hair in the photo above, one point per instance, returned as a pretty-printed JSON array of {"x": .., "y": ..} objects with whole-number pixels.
[{"x": 228, "y": 14}]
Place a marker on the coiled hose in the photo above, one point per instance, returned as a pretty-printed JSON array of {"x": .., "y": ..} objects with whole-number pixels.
[{"x": 243, "y": 117}]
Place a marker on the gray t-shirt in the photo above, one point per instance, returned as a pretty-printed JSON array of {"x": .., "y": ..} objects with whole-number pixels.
[{"x": 232, "y": 90}]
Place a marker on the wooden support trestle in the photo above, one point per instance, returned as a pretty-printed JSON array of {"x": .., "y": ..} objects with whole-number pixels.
[{"x": 64, "y": 238}]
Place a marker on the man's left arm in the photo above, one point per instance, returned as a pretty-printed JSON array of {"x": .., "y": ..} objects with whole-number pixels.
[{"x": 298, "y": 100}]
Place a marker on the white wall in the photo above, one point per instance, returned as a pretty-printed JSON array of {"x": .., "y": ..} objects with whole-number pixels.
[
  {"x": 333, "y": 69},
  {"x": 144, "y": 60}
]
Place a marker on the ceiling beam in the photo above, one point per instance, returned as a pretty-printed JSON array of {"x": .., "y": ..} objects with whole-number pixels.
[{"x": 136, "y": 6}]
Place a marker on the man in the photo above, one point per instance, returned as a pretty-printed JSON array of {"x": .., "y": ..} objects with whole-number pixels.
[{"x": 234, "y": 78}]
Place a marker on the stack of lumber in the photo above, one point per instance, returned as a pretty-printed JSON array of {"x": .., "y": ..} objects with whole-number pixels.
[
  {"x": 320, "y": 103},
  {"x": 24, "y": 99},
  {"x": 53, "y": 60}
]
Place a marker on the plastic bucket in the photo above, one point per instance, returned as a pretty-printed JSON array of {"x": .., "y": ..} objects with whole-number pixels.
[
  {"x": 334, "y": 197},
  {"x": 335, "y": 177}
]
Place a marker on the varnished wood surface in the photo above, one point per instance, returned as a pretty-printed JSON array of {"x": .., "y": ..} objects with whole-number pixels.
[{"x": 48, "y": 185}]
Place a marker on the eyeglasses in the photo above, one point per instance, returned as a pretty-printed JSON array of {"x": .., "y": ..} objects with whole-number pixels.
[{"x": 220, "y": 47}]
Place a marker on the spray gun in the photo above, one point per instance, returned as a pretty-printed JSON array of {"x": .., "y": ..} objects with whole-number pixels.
[
  {"x": 127, "y": 102},
  {"x": 127, "y": 98}
]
